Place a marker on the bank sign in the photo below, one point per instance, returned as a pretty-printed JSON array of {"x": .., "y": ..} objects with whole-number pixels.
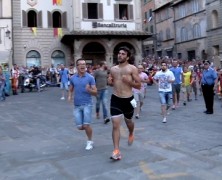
[{"x": 108, "y": 25}]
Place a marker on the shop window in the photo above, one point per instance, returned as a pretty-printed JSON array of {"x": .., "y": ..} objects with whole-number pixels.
[
  {"x": 33, "y": 58},
  {"x": 58, "y": 57},
  {"x": 123, "y": 12},
  {"x": 92, "y": 10}
]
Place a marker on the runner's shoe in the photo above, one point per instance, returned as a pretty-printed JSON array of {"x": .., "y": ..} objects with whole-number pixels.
[
  {"x": 89, "y": 145},
  {"x": 130, "y": 140},
  {"x": 106, "y": 120},
  {"x": 116, "y": 155}
]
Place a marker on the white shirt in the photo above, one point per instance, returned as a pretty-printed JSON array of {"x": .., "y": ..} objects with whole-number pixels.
[{"x": 163, "y": 78}]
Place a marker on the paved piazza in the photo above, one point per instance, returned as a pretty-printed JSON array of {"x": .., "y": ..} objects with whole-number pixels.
[{"x": 38, "y": 141}]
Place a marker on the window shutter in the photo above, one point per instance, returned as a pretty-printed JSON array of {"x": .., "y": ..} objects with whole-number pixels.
[
  {"x": 64, "y": 20},
  {"x": 39, "y": 20},
  {"x": 49, "y": 19},
  {"x": 116, "y": 11},
  {"x": 85, "y": 10},
  {"x": 130, "y": 12},
  {"x": 24, "y": 18},
  {"x": 100, "y": 11}
]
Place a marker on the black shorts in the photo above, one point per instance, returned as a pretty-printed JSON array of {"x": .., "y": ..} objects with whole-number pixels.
[{"x": 120, "y": 106}]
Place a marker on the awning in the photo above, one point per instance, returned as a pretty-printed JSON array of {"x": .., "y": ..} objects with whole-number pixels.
[{"x": 69, "y": 38}]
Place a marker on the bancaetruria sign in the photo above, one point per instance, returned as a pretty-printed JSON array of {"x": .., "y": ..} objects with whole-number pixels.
[{"x": 109, "y": 25}]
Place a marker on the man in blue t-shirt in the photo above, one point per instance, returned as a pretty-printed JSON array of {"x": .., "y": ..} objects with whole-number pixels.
[
  {"x": 83, "y": 85},
  {"x": 176, "y": 86},
  {"x": 64, "y": 78}
]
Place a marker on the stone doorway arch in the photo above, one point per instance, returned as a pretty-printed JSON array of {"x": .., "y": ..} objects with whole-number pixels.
[{"x": 94, "y": 53}]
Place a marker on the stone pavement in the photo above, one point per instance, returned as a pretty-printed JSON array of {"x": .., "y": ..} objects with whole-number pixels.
[{"x": 38, "y": 141}]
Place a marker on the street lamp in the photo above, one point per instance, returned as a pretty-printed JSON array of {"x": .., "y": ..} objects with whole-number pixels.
[{"x": 7, "y": 34}]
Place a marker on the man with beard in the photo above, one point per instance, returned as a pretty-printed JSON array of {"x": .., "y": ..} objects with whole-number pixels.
[
  {"x": 123, "y": 77},
  {"x": 164, "y": 79}
]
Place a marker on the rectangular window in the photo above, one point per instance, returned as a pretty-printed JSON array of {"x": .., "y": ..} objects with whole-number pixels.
[
  {"x": 92, "y": 10},
  {"x": 123, "y": 11}
]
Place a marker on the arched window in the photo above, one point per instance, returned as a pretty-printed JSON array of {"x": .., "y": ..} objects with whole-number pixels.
[
  {"x": 33, "y": 58},
  {"x": 32, "y": 19},
  {"x": 58, "y": 57},
  {"x": 195, "y": 6},
  {"x": 160, "y": 36},
  {"x": 56, "y": 19},
  {"x": 214, "y": 18},
  {"x": 184, "y": 35},
  {"x": 196, "y": 31},
  {"x": 182, "y": 10},
  {"x": 168, "y": 33}
]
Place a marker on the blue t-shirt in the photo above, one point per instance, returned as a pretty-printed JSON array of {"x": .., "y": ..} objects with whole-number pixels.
[
  {"x": 64, "y": 75},
  {"x": 209, "y": 76},
  {"x": 177, "y": 71},
  {"x": 81, "y": 96}
]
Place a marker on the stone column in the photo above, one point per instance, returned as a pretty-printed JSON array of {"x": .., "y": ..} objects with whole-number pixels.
[{"x": 109, "y": 59}]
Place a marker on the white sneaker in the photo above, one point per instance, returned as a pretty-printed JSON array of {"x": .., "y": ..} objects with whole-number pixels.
[
  {"x": 89, "y": 145},
  {"x": 62, "y": 98},
  {"x": 164, "y": 120}
]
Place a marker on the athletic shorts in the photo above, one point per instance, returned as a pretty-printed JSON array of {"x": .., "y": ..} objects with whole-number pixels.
[
  {"x": 120, "y": 106},
  {"x": 176, "y": 88}
]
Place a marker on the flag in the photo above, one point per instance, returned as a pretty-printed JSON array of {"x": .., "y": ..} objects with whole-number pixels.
[
  {"x": 34, "y": 30},
  {"x": 55, "y": 32},
  {"x": 60, "y": 32},
  {"x": 59, "y": 2}
]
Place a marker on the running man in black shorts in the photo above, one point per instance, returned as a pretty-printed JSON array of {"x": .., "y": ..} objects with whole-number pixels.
[{"x": 123, "y": 77}]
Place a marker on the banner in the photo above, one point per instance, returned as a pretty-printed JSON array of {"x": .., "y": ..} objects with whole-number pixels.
[
  {"x": 34, "y": 30},
  {"x": 57, "y": 2},
  {"x": 58, "y": 32}
]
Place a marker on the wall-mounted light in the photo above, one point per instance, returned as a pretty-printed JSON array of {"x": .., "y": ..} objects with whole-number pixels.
[{"x": 7, "y": 34}]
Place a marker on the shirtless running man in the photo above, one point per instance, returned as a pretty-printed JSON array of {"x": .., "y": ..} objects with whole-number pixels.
[{"x": 123, "y": 77}]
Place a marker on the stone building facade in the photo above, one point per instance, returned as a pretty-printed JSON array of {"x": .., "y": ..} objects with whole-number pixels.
[
  {"x": 164, "y": 21},
  {"x": 47, "y": 32},
  {"x": 38, "y": 27},
  {"x": 149, "y": 44},
  {"x": 214, "y": 31},
  {"x": 101, "y": 27},
  {"x": 190, "y": 29}
]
